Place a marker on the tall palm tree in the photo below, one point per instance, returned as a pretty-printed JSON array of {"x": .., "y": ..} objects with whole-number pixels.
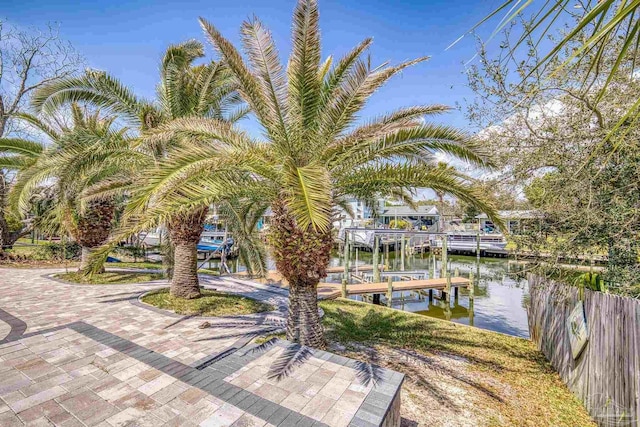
[
  {"x": 184, "y": 90},
  {"x": 313, "y": 155},
  {"x": 74, "y": 158}
]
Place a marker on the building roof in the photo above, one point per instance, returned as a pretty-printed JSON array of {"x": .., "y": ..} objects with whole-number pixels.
[
  {"x": 523, "y": 214},
  {"x": 427, "y": 210}
]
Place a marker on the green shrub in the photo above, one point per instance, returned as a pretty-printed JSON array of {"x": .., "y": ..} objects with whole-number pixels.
[
  {"x": 131, "y": 251},
  {"x": 593, "y": 281},
  {"x": 57, "y": 251},
  {"x": 399, "y": 224}
]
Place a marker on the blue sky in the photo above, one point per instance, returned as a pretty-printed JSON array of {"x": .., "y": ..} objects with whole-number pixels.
[{"x": 127, "y": 38}]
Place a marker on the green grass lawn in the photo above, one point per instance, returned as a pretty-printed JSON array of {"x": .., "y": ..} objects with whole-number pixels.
[
  {"x": 110, "y": 277},
  {"x": 142, "y": 265},
  {"x": 145, "y": 265},
  {"x": 211, "y": 303},
  {"x": 455, "y": 375}
]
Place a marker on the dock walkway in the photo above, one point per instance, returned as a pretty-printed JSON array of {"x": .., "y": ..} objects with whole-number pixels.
[
  {"x": 334, "y": 290},
  {"x": 340, "y": 268}
]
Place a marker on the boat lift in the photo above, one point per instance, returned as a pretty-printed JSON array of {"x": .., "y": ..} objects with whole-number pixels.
[{"x": 354, "y": 238}]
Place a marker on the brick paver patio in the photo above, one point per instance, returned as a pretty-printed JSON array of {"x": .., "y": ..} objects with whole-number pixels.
[{"x": 92, "y": 355}]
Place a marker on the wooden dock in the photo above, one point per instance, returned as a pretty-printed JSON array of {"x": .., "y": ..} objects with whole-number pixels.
[
  {"x": 340, "y": 269},
  {"x": 334, "y": 290}
]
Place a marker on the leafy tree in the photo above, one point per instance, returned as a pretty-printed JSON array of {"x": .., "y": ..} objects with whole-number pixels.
[
  {"x": 599, "y": 25},
  {"x": 185, "y": 91},
  {"x": 29, "y": 58},
  {"x": 314, "y": 154},
  {"x": 555, "y": 138}
]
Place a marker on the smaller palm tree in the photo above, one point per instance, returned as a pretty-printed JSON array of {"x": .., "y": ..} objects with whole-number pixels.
[
  {"x": 185, "y": 90},
  {"x": 15, "y": 154},
  {"x": 75, "y": 158}
]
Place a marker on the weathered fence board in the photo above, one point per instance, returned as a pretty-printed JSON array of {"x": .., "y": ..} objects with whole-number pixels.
[{"x": 606, "y": 375}]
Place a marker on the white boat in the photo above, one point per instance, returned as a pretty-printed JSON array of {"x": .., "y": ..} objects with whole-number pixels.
[{"x": 209, "y": 240}]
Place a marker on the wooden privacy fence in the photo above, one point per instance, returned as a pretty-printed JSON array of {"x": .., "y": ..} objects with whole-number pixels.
[{"x": 606, "y": 375}]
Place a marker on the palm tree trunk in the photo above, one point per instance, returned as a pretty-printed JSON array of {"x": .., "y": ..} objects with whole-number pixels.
[
  {"x": 92, "y": 228},
  {"x": 293, "y": 316},
  {"x": 184, "y": 232},
  {"x": 309, "y": 318},
  {"x": 301, "y": 256},
  {"x": 184, "y": 283},
  {"x": 85, "y": 256}
]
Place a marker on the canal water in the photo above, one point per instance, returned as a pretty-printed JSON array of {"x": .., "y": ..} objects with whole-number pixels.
[
  {"x": 501, "y": 291},
  {"x": 500, "y": 296}
]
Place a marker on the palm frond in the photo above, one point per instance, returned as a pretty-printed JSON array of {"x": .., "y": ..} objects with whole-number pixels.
[
  {"x": 603, "y": 22},
  {"x": 417, "y": 143},
  {"x": 383, "y": 179},
  {"x": 357, "y": 88},
  {"x": 240, "y": 217},
  {"x": 302, "y": 71},
  {"x": 248, "y": 84},
  {"x": 93, "y": 87},
  {"x": 310, "y": 195},
  {"x": 238, "y": 114},
  {"x": 14, "y": 162},
  {"x": 334, "y": 78},
  {"x": 38, "y": 124},
  {"x": 181, "y": 55},
  {"x": 264, "y": 59},
  {"x": 21, "y": 147}
]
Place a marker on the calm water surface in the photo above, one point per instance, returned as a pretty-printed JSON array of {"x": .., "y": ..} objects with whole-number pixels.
[
  {"x": 500, "y": 294},
  {"x": 500, "y": 299}
]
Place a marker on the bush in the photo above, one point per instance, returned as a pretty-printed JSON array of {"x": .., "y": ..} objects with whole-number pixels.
[
  {"x": 400, "y": 224},
  {"x": 58, "y": 251},
  {"x": 131, "y": 251}
]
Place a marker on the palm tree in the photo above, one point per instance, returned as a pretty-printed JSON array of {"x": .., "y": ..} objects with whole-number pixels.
[
  {"x": 184, "y": 90},
  {"x": 74, "y": 158},
  {"x": 313, "y": 154}
]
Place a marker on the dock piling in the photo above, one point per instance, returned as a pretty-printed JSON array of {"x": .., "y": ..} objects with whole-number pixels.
[
  {"x": 402, "y": 252},
  {"x": 376, "y": 266},
  {"x": 345, "y": 276},
  {"x": 444, "y": 266},
  {"x": 471, "y": 299},
  {"x": 389, "y": 291},
  {"x": 447, "y": 289}
]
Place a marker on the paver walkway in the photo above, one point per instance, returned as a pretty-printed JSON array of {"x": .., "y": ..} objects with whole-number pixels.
[{"x": 85, "y": 355}]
